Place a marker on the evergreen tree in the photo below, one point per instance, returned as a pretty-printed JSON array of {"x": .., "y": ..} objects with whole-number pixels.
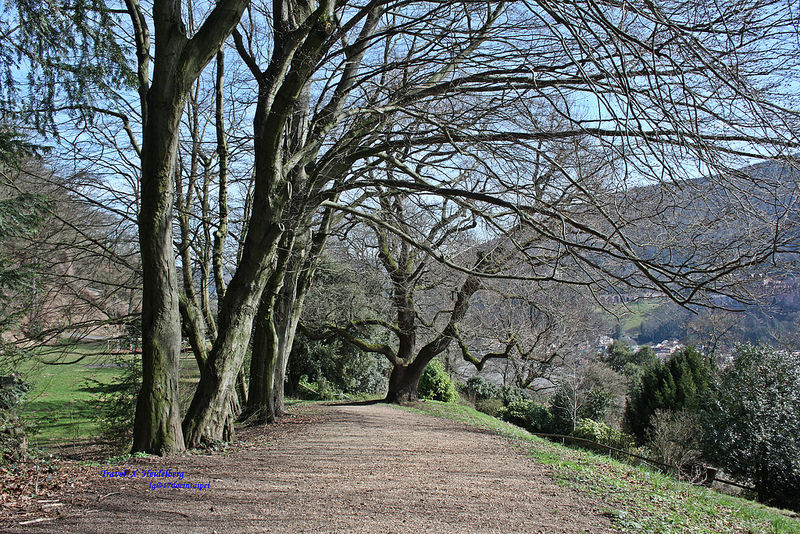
[
  {"x": 677, "y": 384},
  {"x": 56, "y": 56},
  {"x": 622, "y": 359},
  {"x": 20, "y": 216},
  {"x": 753, "y": 423}
]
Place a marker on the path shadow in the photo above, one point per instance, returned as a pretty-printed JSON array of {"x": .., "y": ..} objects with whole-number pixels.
[{"x": 355, "y": 403}]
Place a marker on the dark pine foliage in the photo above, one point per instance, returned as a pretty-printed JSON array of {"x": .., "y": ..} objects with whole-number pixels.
[{"x": 677, "y": 384}]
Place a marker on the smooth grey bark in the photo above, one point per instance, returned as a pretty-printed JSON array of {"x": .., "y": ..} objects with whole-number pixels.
[
  {"x": 289, "y": 309},
  {"x": 260, "y": 403}
]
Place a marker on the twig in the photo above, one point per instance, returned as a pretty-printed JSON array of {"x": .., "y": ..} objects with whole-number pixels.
[
  {"x": 174, "y": 512},
  {"x": 39, "y": 520}
]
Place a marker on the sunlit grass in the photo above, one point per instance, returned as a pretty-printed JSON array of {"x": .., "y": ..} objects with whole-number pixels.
[{"x": 62, "y": 378}]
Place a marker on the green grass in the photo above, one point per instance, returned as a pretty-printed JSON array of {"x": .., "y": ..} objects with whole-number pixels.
[
  {"x": 633, "y": 314},
  {"x": 58, "y": 408},
  {"x": 636, "y": 499}
]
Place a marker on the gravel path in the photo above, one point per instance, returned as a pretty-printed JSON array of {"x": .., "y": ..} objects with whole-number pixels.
[{"x": 369, "y": 468}]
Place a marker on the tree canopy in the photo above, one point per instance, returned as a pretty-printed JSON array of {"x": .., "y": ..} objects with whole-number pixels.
[
  {"x": 599, "y": 142},
  {"x": 680, "y": 383}
]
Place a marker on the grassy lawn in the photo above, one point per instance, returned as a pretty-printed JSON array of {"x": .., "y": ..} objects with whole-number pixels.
[
  {"x": 58, "y": 408},
  {"x": 633, "y": 314},
  {"x": 636, "y": 499}
]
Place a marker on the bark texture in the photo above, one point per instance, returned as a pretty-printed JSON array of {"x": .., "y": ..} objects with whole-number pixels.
[{"x": 177, "y": 62}]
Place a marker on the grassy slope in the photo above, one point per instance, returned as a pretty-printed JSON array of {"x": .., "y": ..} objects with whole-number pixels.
[
  {"x": 633, "y": 314},
  {"x": 637, "y": 500}
]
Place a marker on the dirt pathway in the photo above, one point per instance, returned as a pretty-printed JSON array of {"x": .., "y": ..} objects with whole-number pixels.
[{"x": 355, "y": 469}]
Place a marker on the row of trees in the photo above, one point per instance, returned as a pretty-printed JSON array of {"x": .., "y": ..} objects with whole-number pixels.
[{"x": 566, "y": 138}]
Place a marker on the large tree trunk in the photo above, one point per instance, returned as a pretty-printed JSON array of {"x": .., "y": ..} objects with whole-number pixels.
[
  {"x": 288, "y": 329},
  {"x": 292, "y": 299},
  {"x": 277, "y": 94},
  {"x": 404, "y": 379},
  {"x": 403, "y": 382},
  {"x": 156, "y": 427},
  {"x": 209, "y": 412},
  {"x": 177, "y": 62},
  {"x": 266, "y": 344},
  {"x": 260, "y": 403},
  {"x": 288, "y": 308}
]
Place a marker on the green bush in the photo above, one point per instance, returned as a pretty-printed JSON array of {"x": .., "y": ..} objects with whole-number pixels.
[
  {"x": 753, "y": 423},
  {"x": 603, "y": 434},
  {"x": 491, "y": 407},
  {"x": 436, "y": 384},
  {"x": 479, "y": 388},
  {"x": 320, "y": 389},
  {"x": 529, "y": 415},
  {"x": 339, "y": 365},
  {"x": 620, "y": 357},
  {"x": 511, "y": 394},
  {"x": 114, "y": 406}
]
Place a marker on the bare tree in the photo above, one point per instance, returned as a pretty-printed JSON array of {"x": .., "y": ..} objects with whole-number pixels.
[
  {"x": 655, "y": 94},
  {"x": 178, "y": 60},
  {"x": 85, "y": 261},
  {"x": 532, "y": 328},
  {"x": 422, "y": 318}
]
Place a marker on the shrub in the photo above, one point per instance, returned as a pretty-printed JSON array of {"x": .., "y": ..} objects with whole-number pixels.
[
  {"x": 342, "y": 366},
  {"x": 320, "y": 389},
  {"x": 511, "y": 394},
  {"x": 115, "y": 403},
  {"x": 529, "y": 415},
  {"x": 753, "y": 423},
  {"x": 491, "y": 407},
  {"x": 674, "y": 438},
  {"x": 479, "y": 388},
  {"x": 13, "y": 442},
  {"x": 620, "y": 356},
  {"x": 436, "y": 384},
  {"x": 603, "y": 434}
]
